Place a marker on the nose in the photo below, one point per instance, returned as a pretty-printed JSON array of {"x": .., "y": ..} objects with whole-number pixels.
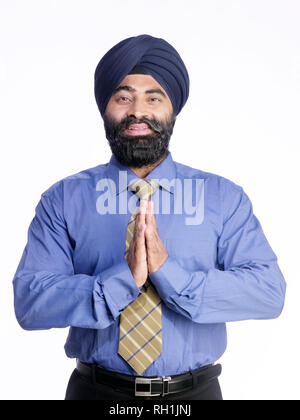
[{"x": 138, "y": 109}]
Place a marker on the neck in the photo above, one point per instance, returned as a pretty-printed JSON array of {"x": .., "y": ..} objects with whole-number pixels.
[{"x": 145, "y": 170}]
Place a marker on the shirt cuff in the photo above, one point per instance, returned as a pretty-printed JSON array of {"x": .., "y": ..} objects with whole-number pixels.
[
  {"x": 119, "y": 287},
  {"x": 170, "y": 279}
]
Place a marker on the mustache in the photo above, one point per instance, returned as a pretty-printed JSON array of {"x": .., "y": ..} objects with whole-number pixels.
[{"x": 153, "y": 124}]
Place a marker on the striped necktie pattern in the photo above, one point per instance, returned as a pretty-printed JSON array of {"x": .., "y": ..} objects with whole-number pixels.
[{"x": 140, "y": 337}]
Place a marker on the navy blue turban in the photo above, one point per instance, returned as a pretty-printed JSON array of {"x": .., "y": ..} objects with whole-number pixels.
[{"x": 153, "y": 56}]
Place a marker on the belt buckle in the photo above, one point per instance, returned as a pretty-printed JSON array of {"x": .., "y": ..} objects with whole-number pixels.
[
  {"x": 141, "y": 387},
  {"x": 142, "y": 384},
  {"x": 165, "y": 381}
]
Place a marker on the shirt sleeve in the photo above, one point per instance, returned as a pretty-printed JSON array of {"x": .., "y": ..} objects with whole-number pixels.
[
  {"x": 247, "y": 284},
  {"x": 47, "y": 293}
]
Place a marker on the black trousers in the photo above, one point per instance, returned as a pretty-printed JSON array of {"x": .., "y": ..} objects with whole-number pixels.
[{"x": 82, "y": 388}]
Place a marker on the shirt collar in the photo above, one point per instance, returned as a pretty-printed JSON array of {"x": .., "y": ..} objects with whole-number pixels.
[{"x": 120, "y": 176}]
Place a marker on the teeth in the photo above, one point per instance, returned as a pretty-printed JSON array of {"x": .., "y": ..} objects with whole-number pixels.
[{"x": 138, "y": 127}]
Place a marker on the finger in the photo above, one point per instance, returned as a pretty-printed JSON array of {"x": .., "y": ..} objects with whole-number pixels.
[
  {"x": 150, "y": 218},
  {"x": 140, "y": 242},
  {"x": 151, "y": 230},
  {"x": 140, "y": 225},
  {"x": 142, "y": 211},
  {"x": 140, "y": 217},
  {"x": 149, "y": 213}
]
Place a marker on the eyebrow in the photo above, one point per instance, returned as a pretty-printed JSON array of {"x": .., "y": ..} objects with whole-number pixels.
[{"x": 131, "y": 89}]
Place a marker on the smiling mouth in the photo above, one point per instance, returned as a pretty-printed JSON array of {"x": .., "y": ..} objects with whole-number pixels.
[{"x": 141, "y": 129}]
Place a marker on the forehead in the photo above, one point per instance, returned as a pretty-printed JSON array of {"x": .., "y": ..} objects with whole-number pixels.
[{"x": 141, "y": 82}]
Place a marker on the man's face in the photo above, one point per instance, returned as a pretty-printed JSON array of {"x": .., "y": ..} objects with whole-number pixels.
[{"x": 139, "y": 121}]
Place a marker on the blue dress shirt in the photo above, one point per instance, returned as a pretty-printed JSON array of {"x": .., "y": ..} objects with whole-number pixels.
[{"x": 73, "y": 272}]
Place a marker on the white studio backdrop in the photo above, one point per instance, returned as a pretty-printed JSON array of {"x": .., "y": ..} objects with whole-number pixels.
[{"x": 241, "y": 121}]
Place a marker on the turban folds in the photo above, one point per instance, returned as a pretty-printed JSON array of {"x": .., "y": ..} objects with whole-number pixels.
[{"x": 158, "y": 59}]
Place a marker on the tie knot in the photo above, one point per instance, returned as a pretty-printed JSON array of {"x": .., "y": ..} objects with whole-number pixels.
[{"x": 143, "y": 189}]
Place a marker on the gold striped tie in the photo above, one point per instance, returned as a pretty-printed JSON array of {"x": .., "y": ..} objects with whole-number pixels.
[{"x": 140, "y": 339}]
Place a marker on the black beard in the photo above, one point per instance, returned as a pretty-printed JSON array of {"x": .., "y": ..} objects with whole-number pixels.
[{"x": 138, "y": 151}]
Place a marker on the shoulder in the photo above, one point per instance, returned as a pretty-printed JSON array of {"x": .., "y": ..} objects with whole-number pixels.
[
  {"x": 220, "y": 192},
  {"x": 83, "y": 179},
  {"x": 213, "y": 181}
]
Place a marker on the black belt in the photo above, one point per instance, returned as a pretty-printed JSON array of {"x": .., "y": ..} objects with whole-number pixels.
[{"x": 149, "y": 386}]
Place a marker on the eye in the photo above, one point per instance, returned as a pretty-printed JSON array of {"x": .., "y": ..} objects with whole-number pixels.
[
  {"x": 154, "y": 99},
  {"x": 123, "y": 99}
]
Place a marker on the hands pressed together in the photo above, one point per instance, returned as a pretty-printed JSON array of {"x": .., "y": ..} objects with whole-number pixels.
[{"x": 146, "y": 253}]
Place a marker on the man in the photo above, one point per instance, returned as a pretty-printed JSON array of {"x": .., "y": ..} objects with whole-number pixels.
[{"x": 143, "y": 258}]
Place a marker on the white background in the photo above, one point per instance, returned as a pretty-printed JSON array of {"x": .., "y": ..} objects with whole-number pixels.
[{"x": 241, "y": 121}]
